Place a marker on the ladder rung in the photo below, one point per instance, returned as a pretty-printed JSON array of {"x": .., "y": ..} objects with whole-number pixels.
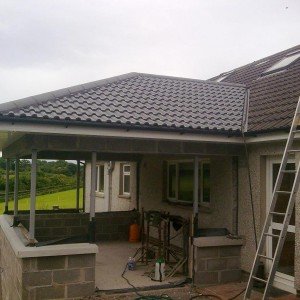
[
  {"x": 289, "y": 171},
  {"x": 277, "y": 213},
  {"x": 283, "y": 192},
  {"x": 259, "y": 279},
  {"x": 266, "y": 257},
  {"x": 294, "y": 150},
  {"x": 272, "y": 235}
]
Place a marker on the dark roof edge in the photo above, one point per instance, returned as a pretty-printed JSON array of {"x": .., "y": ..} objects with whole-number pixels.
[
  {"x": 66, "y": 123},
  {"x": 37, "y": 99},
  {"x": 192, "y": 79}
]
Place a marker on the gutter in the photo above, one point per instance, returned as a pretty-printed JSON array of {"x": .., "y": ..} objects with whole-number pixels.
[{"x": 67, "y": 123}]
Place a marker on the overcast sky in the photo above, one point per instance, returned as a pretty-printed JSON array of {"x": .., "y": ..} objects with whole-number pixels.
[{"x": 51, "y": 44}]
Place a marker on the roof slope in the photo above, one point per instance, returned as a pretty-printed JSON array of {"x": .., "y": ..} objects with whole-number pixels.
[
  {"x": 273, "y": 98},
  {"x": 139, "y": 100}
]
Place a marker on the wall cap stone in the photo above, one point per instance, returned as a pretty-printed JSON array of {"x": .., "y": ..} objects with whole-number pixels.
[
  {"x": 14, "y": 237},
  {"x": 216, "y": 241}
]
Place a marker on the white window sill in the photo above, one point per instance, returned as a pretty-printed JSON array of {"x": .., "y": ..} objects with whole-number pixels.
[
  {"x": 124, "y": 196},
  {"x": 99, "y": 195},
  {"x": 206, "y": 208}
]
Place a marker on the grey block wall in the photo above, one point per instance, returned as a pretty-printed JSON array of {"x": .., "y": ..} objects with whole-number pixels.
[
  {"x": 58, "y": 277},
  {"x": 218, "y": 265},
  {"x": 109, "y": 225}
]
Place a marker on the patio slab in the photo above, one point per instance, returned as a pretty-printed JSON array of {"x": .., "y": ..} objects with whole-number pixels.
[{"x": 111, "y": 261}]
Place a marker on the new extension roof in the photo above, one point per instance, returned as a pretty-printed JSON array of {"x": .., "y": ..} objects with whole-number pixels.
[
  {"x": 137, "y": 100},
  {"x": 273, "y": 95}
]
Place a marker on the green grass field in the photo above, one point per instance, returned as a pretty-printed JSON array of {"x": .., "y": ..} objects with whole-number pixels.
[{"x": 65, "y": 199}]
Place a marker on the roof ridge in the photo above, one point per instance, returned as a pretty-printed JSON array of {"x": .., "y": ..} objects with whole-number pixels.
[
  {"x": 255, "y": 61},
  {"x": 193, "y": 79},
  {"x": 52, "y": 95}
]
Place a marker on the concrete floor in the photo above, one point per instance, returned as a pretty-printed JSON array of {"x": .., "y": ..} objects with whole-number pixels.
[{"x": 111, "y": 261}]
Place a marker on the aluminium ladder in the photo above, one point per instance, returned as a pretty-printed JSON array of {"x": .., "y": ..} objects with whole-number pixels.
[{"x": 266, "y": 233}]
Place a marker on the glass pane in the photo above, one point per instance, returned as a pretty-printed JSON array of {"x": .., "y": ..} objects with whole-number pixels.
[
  {"x": 101, "y": 179},
  {"x": 127, "y": 169},
  {"x": 126, "y": 184},
  {"x": 172, "y": 181},
  {"x": 286, "y": 262},
  {"x": 287, "y": 183},
  {"x": 185, "y": 181},
  {"x": 283, "y": 63},
  {"x": 206, "y": 183},
  {"x": 97, "y": 176}
]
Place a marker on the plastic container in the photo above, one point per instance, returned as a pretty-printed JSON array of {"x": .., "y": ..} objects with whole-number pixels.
[
  {"x": 134, "y": 233},
  {"x": 159, "y": 270},
  {"x": 131, "y": 264}
]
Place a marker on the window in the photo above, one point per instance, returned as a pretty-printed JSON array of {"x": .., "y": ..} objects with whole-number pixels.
[
  {"x": 282, "y": 64},
  {"x": 181, "y": 182},
  {"x": 223, "y": 76},
  {"x": 100, "y": 179},
  {"x": 125, "y": 179}
]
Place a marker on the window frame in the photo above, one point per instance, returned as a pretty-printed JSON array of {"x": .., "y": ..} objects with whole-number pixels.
[
  {"x": 272, "y": 70},
  {"x": 176, "y": 200},
  {"x": 98, "y": 172},
  {"x": 123, "y": 174}
]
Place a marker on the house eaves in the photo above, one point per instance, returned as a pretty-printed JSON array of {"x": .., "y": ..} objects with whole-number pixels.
[{"x": 138, "y": 101}]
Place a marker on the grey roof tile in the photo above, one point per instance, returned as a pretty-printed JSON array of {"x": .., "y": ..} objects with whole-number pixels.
[
  {"x": 140, "y": 99},
  {"x": 273, "y": 98}
]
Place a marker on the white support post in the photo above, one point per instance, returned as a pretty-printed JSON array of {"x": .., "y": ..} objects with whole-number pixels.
[
  {"x": 32, "y": 197},
  {"x": 92, "y": 224},
  {"x": 196, "y": 194},
  {"x": 93, "y": 185},
  {"x": 16, "y": 187},
  {"x": 7, "y": 185},
  {"x": 77, "y": 184}
]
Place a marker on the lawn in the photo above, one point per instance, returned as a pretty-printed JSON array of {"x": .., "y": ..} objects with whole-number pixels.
[{"x": 65, "y": 199}]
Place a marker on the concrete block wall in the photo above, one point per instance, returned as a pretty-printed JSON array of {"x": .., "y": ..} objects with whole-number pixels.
[
  {"x": 112, "y": 226},
  {"x": 51, "y": 272},
  {"x": 109, "y": 225},
  {"x": 58, "y": 277},
  {"x": 57, "y": 225},
  {"x": 218, "y": 265},
  {"x": 11, "y": 270}
]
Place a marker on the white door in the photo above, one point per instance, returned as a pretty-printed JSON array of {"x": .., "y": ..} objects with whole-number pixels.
[{"x": 285, "y": 276}]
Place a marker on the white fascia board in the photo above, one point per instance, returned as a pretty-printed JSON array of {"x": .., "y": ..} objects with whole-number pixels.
[
  {"x": 112, "y": 132},
  {"x": 270, "y": 137}
]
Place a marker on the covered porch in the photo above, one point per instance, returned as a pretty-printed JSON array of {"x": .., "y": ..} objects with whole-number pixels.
[{"x": 170, "y": 177}]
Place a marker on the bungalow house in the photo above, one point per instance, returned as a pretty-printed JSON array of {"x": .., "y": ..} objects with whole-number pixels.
[{"x": 205, "y": 150}]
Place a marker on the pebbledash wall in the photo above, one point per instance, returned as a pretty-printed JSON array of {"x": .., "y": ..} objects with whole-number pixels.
[
  {"x": 221, "y": 211},
  {"x": 111, "y": 199},
  {"x": 48, "y": 272},
  {"x": 258, "y": 155}
]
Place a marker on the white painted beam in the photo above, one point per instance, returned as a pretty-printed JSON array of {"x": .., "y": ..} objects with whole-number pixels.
[
  {"x": 32, "y": 196},
  {"x": 23, "y": 127},
  {"x": 7, "y": 185},
  {"x": 16, "y": 187},
  {"x": 93, "y": 185}
]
